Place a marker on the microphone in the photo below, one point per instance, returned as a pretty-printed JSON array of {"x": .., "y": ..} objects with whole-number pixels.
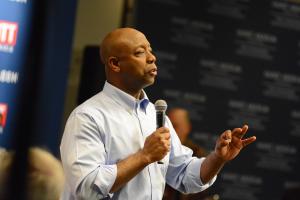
[{"x": 160, "y": 107}]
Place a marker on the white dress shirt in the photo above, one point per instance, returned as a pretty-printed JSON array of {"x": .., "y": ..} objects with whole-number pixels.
[{"x": 109, "y": 127}]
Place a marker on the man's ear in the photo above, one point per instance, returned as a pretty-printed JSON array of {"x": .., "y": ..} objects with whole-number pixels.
[{"x": 113, "y": 63}]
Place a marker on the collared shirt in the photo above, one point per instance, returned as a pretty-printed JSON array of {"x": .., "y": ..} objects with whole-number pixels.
[{"x": 108, "y": 128}]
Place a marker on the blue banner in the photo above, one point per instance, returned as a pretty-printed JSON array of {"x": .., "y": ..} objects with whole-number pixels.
[{"x": 15, "y": 23}]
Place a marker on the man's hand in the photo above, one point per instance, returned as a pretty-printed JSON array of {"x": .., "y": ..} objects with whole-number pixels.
[
  {"x": 157, "y": 145},
  {"x": 230, "y": 143},
  {"x": 228, "y": 146}
]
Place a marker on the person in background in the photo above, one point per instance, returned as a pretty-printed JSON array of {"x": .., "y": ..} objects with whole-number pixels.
[
  {"x": 45, "y": 178},
  {"x": 111, "y": 147},
  {"x": 182, "y": 124}
]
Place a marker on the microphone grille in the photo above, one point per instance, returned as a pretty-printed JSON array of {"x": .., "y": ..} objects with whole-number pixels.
[{"x": 161, "y": 105}]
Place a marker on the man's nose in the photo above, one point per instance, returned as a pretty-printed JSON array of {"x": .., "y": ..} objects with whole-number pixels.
[{"x": 151, "y": 58}]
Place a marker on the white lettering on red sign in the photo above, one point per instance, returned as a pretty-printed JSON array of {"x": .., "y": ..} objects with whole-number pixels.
[{"x": 8, "y": 33}]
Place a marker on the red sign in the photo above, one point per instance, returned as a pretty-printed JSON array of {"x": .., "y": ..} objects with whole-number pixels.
[
  {"x": 8, "y": 33},
  {"x": 3, "y": 115}
]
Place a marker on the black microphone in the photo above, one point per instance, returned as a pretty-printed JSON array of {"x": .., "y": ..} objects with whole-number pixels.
[{"x": 160, "y": 107}]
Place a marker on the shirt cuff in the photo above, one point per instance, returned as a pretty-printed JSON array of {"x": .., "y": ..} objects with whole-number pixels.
[
  {"x": 105, "y": 179},
  {"x": 195, "y": 182}
]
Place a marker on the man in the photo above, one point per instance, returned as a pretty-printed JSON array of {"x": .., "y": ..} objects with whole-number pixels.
[
  {"x": 110, "y": 145},
  {"x": 45, "y": 178}
]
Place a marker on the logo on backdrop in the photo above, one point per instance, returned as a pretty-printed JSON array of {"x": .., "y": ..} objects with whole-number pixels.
[
  {"x": 3, "y": 115},
  {"x": 9, "y": 77},
  {"x": 8, "y": 36}
]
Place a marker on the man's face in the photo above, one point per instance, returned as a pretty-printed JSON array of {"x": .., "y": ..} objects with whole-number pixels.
[{"x": 136, "y": 61}]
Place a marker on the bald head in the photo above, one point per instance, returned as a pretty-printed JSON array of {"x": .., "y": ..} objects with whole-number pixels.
[
  {"x": 115, "y": 42},
  {"x": 129, "y": 62}
]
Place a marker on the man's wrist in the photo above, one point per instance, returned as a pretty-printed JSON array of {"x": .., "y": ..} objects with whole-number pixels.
[
  {"x": 143, "y": 158},
  {"x": 217, "y": 158}
]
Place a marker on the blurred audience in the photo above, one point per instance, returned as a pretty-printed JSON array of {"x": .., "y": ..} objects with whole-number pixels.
[{"x": 45, "y": 178}]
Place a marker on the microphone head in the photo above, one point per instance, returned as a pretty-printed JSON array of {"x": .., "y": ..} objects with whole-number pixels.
[{"x": 161, "y": 105}]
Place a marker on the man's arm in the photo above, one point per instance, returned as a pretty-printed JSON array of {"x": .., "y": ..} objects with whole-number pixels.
[
  {"x": 156, "y": 146},
  {"x": 228, "y": 146}
]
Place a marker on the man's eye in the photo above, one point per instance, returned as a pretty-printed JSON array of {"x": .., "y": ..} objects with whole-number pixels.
[{"x": 139, "y": 52}]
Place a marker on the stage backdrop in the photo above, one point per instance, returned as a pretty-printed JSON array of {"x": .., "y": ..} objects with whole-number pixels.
[
  {"x": 231, "y": 63},
  {"x": 44, "y": 52},
  {"x": 15, "y": 26}
]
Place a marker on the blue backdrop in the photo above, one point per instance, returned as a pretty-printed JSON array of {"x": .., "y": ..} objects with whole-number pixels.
[
  {"x": 15, "y": 18},
  {"x": 52, "y": 63}
]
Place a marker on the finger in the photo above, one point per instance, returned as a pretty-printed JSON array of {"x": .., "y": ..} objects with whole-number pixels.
[
  {"x": 168, "y": 145},
  {"x": 248, "y": 141},
  {"x": 163, "y": 130},
  {"x": 167, "y": 136},
  {"x": 240, "y": 132},
  {"x": 245, "y": 129},
  {"x": 223, "y": 143},
  {"x": 226, "y": 135},
  {"x": 168, "y": 142},
  {"x": 164, "y": 138},
  {"x": 225, "y": 138},
  {"x": 165, "y": 145}
]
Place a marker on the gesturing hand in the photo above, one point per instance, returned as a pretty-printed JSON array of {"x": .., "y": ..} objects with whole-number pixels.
[{"x": 230, "y": 143}]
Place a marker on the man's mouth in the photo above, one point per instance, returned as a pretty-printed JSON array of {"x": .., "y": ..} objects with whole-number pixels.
[{"x": 153, "y": 72}]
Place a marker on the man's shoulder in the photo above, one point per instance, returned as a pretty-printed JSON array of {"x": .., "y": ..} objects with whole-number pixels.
[{"x": 96, "y": 102}]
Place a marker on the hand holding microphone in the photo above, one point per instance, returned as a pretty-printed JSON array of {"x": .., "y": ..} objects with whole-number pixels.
[{"x": 157, "y": 145}]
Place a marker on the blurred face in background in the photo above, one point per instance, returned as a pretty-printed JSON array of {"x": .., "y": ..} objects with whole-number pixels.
[{"x": 181, "y": 122}]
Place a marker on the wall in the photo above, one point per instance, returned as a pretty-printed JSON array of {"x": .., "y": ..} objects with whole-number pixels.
[{"x": 94, "y": 19}]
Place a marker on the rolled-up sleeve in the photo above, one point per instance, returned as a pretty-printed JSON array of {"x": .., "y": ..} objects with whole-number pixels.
[
  {"x": 105, "y": 178},
  {"x": 88, "y": 174},
  {"x": 183, "y": 171},
  {"x": 192, "y": 179}
]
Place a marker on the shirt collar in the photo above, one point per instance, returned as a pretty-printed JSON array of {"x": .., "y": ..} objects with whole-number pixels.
[{"x": 125, "y": 100}]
